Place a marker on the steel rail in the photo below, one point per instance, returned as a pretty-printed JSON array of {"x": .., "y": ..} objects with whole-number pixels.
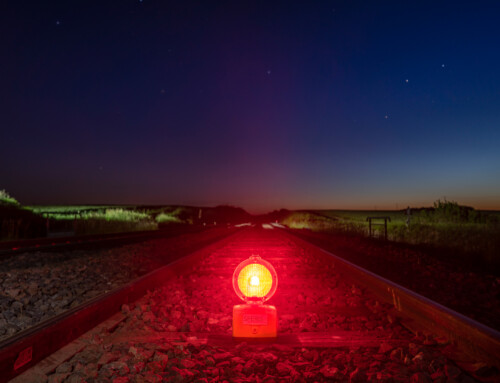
[
  {"x": 469, "y": 336},
  {"x": 25, "y": 349},
  {"x": 473, "y": 338},
  {"x": 74, "y": 242}
]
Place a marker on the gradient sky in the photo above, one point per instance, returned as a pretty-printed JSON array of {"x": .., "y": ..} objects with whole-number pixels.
[{"x": 260, "y": 104}]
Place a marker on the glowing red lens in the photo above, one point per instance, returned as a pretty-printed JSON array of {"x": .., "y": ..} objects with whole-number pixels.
[{"x": 255, "y": 278}]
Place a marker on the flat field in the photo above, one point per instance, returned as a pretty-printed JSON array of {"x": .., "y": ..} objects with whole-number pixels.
[
  {"x": 34, "y": 221},
  {"x": 22, "y": 222},
  {"x": 463, "y": 231}
]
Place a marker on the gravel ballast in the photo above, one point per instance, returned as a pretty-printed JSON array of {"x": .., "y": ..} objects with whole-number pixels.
[
  {"x": 37, "y": 286},
  {"x": 170, "y": 334},
  {"x": 473, "y": 293}
]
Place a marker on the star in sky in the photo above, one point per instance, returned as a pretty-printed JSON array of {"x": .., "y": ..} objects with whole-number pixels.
[{"x": 320, "y": 73}]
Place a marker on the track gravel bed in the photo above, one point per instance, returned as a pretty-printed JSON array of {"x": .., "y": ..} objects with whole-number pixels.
[
  {"x": 475, "y": 294},
  {"x": 37, "y": 286},
  {"x": 170, "y": 334}
]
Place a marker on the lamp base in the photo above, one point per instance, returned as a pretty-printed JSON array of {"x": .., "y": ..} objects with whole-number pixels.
[{"x": 254, "y": 321}]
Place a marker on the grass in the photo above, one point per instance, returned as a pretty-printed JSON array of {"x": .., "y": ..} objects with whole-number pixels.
[
  {"x": 308, "y": 220},
  {"x": 113, "y": 220},
  {"x": 107, "y": 213},
  {"x": 446, "y": 225},
  {"x": 22, "y": 222},
  {"x": 18, "y": 222},
  {"x": 117, "y": 215},
  {"x": 71, "y": 211},
  {"x": 167, "y": 218}
]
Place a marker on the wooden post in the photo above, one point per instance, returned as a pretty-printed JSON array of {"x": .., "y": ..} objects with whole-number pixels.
[{"x": 369, "y": 219}]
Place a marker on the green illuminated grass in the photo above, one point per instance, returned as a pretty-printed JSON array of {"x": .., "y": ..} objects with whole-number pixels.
[
  {"x": 72, "y": 208},
  {"x": 167, "y": 218},
  {"x": 117, "y": 215},
  {"x": 6, "y": 199},
  {"x": 308, "y": 220},
  {"x": 100, "y": 219}
]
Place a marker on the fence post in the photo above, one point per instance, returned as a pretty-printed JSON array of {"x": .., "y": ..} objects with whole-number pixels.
[{"x": 369, "y": 219}]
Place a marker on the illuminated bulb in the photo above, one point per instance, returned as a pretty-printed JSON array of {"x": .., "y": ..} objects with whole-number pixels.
[{"x": 255, "y": 280}]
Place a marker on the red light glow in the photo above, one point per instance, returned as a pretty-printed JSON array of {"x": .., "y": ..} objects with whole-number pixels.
[{"x": 255, "y": 279}]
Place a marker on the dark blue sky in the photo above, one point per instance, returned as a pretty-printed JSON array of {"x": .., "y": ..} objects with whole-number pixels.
[{"x": 331, "y": 104}]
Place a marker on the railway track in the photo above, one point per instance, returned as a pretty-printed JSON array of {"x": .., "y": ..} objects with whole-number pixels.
[
  {"x": 11, "y": 248},
  {"x": 35, "y": 286},
  {"x": 337, "y": 322},
  {"x": 473, "y": 292}
]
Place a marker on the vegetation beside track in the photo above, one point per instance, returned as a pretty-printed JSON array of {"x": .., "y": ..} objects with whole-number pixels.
[
  {"x": 461, "y": 230},
  {"x": 18, "y": 222},
  {"x": 24, "y": 222}
]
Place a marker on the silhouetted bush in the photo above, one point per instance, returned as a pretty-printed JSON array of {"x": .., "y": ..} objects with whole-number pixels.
[{"x": 19, "y": 223}]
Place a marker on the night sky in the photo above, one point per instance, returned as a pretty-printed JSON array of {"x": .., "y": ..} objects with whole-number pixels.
[{"x": 259, "y": 104}]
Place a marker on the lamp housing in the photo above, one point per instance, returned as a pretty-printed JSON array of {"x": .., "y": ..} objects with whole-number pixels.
[{"x": 254, "y": 281}]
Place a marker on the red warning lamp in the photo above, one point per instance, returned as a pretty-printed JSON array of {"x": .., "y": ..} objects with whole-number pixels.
[{"x": 254, "y": 281}]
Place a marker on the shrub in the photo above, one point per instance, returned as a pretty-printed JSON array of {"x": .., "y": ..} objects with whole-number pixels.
[
  {"x": 18, "y": 223},
  {"x": 167, "y": 218},
  {"x": 6, "y": 199},
  {"x": 451, "y": 211}
]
